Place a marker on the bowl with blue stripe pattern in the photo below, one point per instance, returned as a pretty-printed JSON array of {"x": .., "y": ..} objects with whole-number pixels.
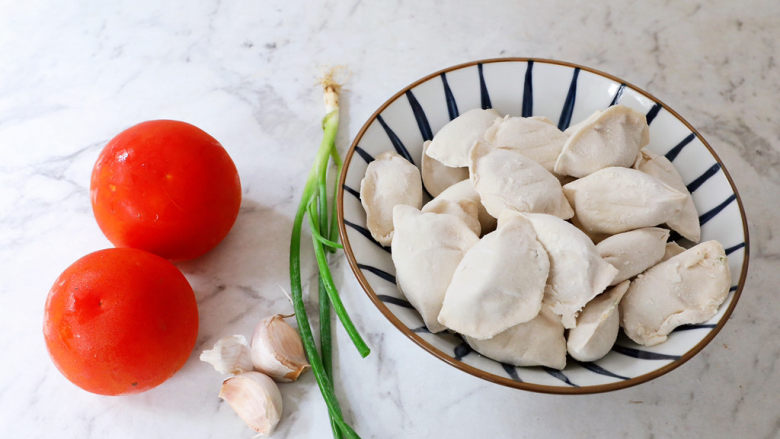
[{"x": 565, "y": 93}]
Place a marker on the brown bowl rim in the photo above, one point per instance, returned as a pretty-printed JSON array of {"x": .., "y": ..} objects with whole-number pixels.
[{"x": 505, "y": 380}]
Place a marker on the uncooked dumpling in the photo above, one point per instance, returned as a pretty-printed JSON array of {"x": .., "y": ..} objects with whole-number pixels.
[
  {"x": 539, "y": 342},
  {"x": 436, "y": 176},
  {"x": 614, "y": 200},
  {"x": 686, "y": 223},
  {"x": 426, "y": 249},
  {"x": 612, "y": 137},
  {"x": 633, "y": 252},
  {"x": 535, "y": 137},
  {"x": 672, "y": 249},
  {"x": 687, "y": 288},
  {"x": 506, "y": 179},
  {"x": 597, "y": 326},
  {"x": 466, "y": 210},
  {"x": 595, "y": 237},
  {"x": 452, "y": 143},
  {"x": 464, "y": 190},
  {"x": 577, "y": 272},
  {"x": 390, "y": 180},
  {"x": 499, "y": 283}
]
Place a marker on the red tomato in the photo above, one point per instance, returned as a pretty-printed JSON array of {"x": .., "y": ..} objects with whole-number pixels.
[
  {"x": 120, "y": 321},
  {"x": 166, "y": 187}
]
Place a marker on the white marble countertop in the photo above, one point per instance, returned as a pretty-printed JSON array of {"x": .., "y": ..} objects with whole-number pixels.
[{"x": 72, "y": 76}]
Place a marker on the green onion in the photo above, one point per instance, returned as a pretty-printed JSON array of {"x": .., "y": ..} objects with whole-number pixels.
[
  {"x": 324, "y": 239},
  {"x": 330, "y": 245},
  {"x": 333, "y": 294}
]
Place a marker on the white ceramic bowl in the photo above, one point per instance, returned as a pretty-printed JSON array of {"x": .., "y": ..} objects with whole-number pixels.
[{"x": 565, "y": 93}]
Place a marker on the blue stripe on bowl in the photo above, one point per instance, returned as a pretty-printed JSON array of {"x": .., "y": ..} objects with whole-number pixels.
[
  {"x": 642, "y": 355},
  {"x": 461, "y": 351},
  {"x": 419, "y": 116},
  {"x": 618, "y": 95},
  {"x": 421, "y": 330},
  {"x": 397, "y": 144},
  {"x": 672, "y": 153},
  {"x": 560, "y": 375},
  {"x": 452, "y": 106},
  {"x": 694, "y": 326},
  {"x": 700, "y": 180},
  {"x": 710, "y": 214},
  {"x": 364, "y": 231},
  {"x": 483, "y": 91},
  {"x": 653, "y": 113},
  {"x": 595, "y": 368},
  {"x": 381, "y": 273},
  {"x": 368, "y": 158},
  {"x": 528, "y": 91},
  {"x": 568, "y": 105},
  {"x": 734, "y": 248},
  {"x": 394, "y": 300},
  {"x": 352, "y": 191},
  {"x": 511, "y": 371}
]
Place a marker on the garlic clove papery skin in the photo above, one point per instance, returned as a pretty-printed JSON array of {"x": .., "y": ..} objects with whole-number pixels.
[
  {"x": 230, "y": 355},
  {"x": 277, "y": 350},
  {"x": 255, "y": 398}
]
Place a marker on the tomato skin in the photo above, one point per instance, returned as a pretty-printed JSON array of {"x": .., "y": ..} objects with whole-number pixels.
[
  {"x": 166, "y": 187},
  {"x": 120, "y": 321}
]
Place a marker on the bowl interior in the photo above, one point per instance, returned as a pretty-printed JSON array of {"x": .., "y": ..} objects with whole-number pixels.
[{"x": 565, "y": 93}]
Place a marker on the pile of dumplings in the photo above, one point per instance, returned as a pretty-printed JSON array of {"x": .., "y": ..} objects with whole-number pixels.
[{"x": 540, "y": 242}]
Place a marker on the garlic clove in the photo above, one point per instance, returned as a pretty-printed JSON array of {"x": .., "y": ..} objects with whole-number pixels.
[
  {"x": 277, "y": 350},
  {"x": 230, "y": 355},
  {"x": 255, "y": 398}
]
